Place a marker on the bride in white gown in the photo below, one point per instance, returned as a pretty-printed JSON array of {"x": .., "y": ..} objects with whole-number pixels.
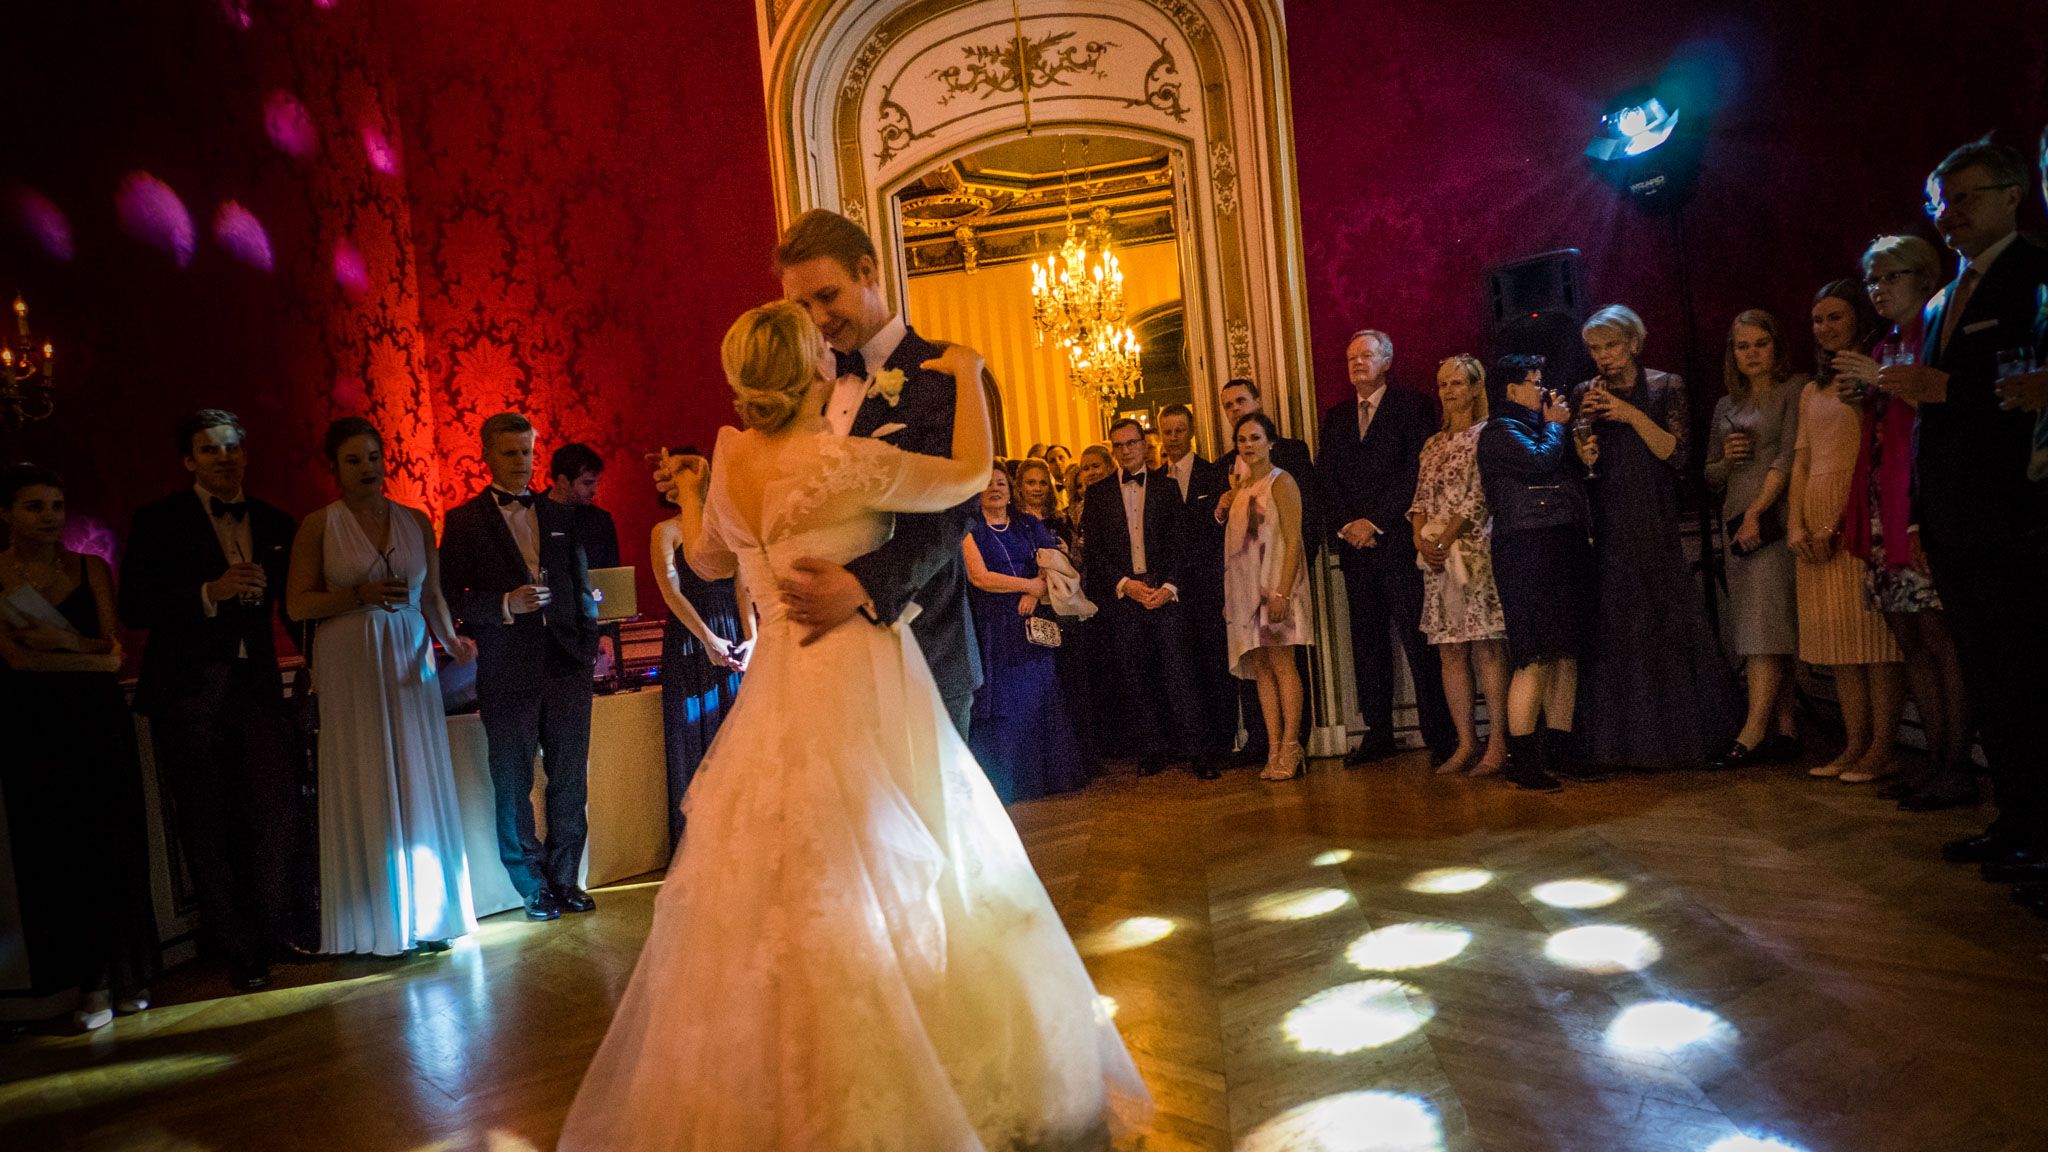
[{"x": 851, "y": 950}]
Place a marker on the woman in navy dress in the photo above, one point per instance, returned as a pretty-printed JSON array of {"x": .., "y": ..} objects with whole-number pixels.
[
  {"x": 1020, "y": 734},
  {"x": 1657, "y": 693},
  {"x": 704, "y": 643}
]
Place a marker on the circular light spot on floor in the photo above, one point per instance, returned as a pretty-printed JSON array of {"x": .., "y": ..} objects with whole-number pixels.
[
  {"x": 1333, "y": 856},
  {"x": 1124, "y": 935},
  {"x": 1351, "y": 1122},
  {"x": 1300, "y": 905},
  {"x": 1449, "y": 881},
  {"x": 1350, "y": 1017},
  {"x": 1662, "y": 1026},
  {"x": 1579, "y": 893},
  {"x": 1753, "y": 1144},
  {"x": 1399, "y": 947},
  {"x": 1603, "y": 948},
  {"x": 1107, "y": 1006}
]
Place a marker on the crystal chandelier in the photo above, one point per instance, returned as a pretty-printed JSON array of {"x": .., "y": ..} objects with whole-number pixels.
[{"x": 1077, "y": 302}]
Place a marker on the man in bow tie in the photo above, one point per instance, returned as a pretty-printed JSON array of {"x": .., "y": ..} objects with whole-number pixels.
[
  {"x": 517, "y": 575},
  {"x": 204, "y": 577},
  {"x": 828, "y": 265}
]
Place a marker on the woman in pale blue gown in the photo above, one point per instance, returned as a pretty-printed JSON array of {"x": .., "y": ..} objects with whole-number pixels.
[
  {"x": 393, "y": 873},
  {"x": 851, "y": 950}
]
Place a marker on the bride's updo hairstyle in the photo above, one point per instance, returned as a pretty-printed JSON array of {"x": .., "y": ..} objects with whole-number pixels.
[{"x": 771, "y": 357}]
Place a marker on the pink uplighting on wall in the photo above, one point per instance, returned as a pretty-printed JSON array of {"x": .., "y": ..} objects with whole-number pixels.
[
  {"x": 349, "y": 269},
  {"x": 45, "y": 223},
  {"x": 236, "y": 13},
  {"x": 152, "y": 213},
  {"x": 289, "y": 125},
  {"x": 93, "y": 537},
  {"x": 241, "y": 235},
  {"x": 379, "y": 150}
]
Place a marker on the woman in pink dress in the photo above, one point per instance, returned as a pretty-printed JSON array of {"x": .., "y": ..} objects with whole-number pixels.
[{"x": 1265, "y": 590}]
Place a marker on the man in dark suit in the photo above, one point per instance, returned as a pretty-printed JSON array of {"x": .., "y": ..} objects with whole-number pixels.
[
  {"x": 516, "y": 574},
  {"x": 204, "y": 576},
  {"x": 1201, "y": 483},
  {"x": 1366, "y": 473},
  {"x": 573, "y": 474},
  {"x": 1134, "y": 569},
  {"x": 1978, "y": 514},
  {"x": 828, "y": 266},
  {"x": 1240, "y": 398}
]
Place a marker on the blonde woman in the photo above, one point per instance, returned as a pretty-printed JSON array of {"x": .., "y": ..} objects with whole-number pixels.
[
  {"x": 1749, "y": 461},
  {"x": 1453, "y": 534},
  {"x": 851, "y": 917}
]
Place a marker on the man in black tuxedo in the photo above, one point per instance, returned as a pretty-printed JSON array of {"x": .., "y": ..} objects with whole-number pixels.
[
  {"x": 1134, "y": 568},
  {"x": 573, "y": 474},
  {"x": 1238, "y": 399},
  {"x": 828, "y": 266},
  {"x": 204, "y": 576},
  {"x": 1978, "y": 513},
  {"x": 1366, "y": 473},
  {"x": 1201, "y": 483},
  {"x": 515, "y": 572}
]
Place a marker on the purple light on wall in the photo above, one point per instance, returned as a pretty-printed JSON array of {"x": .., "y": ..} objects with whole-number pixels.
[
  {"x": 95, "y": 537},
  {"x": 379, "y": 150},
  {"x": 153, "y": 214},
  {"x": 324, "y": 5},
  {"x": 45, "y": 224},
  {"x": 241, "y": 235},
  {"x": 236, "y": 13},
  {"x": 289, "y": 125},
  {"x": 349, "y": 270}
]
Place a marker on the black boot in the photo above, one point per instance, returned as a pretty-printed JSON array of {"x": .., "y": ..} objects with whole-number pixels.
[
  {"x": 1526, "y": 764},
  {"x": 1557, "y": 757}
]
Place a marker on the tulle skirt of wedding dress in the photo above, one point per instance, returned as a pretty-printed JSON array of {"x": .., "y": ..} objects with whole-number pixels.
[{"x": 851, "y": 950}]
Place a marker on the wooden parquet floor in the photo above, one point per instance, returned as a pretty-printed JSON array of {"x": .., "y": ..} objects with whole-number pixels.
[{"x": 1361, "y": 959}]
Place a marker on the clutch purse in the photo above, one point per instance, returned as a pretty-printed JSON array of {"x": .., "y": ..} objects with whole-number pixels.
[
  {"x": 1041, "y": 631},
  {"x": 1770, "y": 528}
]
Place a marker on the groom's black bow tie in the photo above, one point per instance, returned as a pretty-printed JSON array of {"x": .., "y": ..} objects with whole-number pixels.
[
  {"x": 1134, "y": 477},
  {"x": 854, "y": 363},
  {"x": 229, "y": 509},
  {"x": 523, "y": 499}
]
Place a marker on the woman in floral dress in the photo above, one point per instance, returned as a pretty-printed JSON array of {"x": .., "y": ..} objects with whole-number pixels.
[{"x": 1461, "y": 610}]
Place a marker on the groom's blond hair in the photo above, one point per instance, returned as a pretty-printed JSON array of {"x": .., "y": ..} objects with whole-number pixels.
[
  {"x": 821, "y": 232},
  {"x": 771, "y": 355}
]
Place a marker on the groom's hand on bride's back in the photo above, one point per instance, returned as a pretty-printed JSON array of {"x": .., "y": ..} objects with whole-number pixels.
[
  {"x": 820, "y": 596},
  {"x": 956, "y": 360}
]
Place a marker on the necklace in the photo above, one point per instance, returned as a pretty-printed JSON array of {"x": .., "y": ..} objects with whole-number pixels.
[
  {"x": 45, "y": 584},
  {"x": 992, "y": 526}
]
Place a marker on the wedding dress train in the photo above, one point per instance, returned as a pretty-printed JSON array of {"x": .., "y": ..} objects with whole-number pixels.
[{"x": 851, "y": 950}]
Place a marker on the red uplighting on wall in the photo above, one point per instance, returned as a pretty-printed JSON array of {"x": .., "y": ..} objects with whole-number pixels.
[{"x": 349, "y": 269}]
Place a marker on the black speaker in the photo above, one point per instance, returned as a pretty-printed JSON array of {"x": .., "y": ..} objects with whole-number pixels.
[{"x": 1535, "y": 306}]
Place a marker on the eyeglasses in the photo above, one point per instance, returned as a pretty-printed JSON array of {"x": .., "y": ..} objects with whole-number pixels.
[
  {"x": 1935, "y": 205},
  {"x": 1885, "y": 279}
]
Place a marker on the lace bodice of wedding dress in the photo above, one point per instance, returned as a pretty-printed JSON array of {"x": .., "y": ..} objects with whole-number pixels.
[{"x": 851, "y": 951}]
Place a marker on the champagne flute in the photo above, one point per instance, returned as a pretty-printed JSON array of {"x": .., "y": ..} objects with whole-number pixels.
[
  {"x": 390, "y": 575},
  {"x": 251, "y": 599},
  {"x": 1582, "y": 434}
]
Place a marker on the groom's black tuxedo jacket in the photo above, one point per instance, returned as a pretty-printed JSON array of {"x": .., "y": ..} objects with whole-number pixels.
[
  {"x": 480, "y": 563},
  {"x": 921, "y": 564},
  {"x": 172, "y": 550}
]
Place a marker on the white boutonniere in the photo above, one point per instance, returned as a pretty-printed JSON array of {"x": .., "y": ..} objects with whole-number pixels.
[{"x": 888, "y": 384}]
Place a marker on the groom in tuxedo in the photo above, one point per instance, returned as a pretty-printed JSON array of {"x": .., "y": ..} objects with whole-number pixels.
[
  {"x": 204, "y": 576},
  {"x": 516, "y": 573},
  {"x": 828, "y": 266}
]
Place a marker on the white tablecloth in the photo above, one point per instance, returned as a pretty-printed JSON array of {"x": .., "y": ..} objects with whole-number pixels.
[{"x": 628, "y": 798}]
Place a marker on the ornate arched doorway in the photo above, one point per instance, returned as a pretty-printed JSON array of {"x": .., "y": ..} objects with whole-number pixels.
[{"x": 864, "y": 96}]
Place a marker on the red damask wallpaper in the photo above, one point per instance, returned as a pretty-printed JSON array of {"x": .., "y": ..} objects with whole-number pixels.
[
  {"x": 1435, "y": 140},
  {"x": 439, "y": 210}
]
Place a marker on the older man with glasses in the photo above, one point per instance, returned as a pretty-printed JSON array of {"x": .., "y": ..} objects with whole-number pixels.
[{"x": 1980, "y": 518}]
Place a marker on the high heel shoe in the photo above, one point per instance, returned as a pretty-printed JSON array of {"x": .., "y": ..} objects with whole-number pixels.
[
  {"x": 1738, "y": 755},
  {"x": 137, "y": 1001},
  {"x": 1286, "y": 763}
]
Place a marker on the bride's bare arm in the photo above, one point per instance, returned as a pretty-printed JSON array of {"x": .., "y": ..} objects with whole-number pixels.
[
  {"x": 708, "y": 558},
  {"x": 934, "y": 483}
]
